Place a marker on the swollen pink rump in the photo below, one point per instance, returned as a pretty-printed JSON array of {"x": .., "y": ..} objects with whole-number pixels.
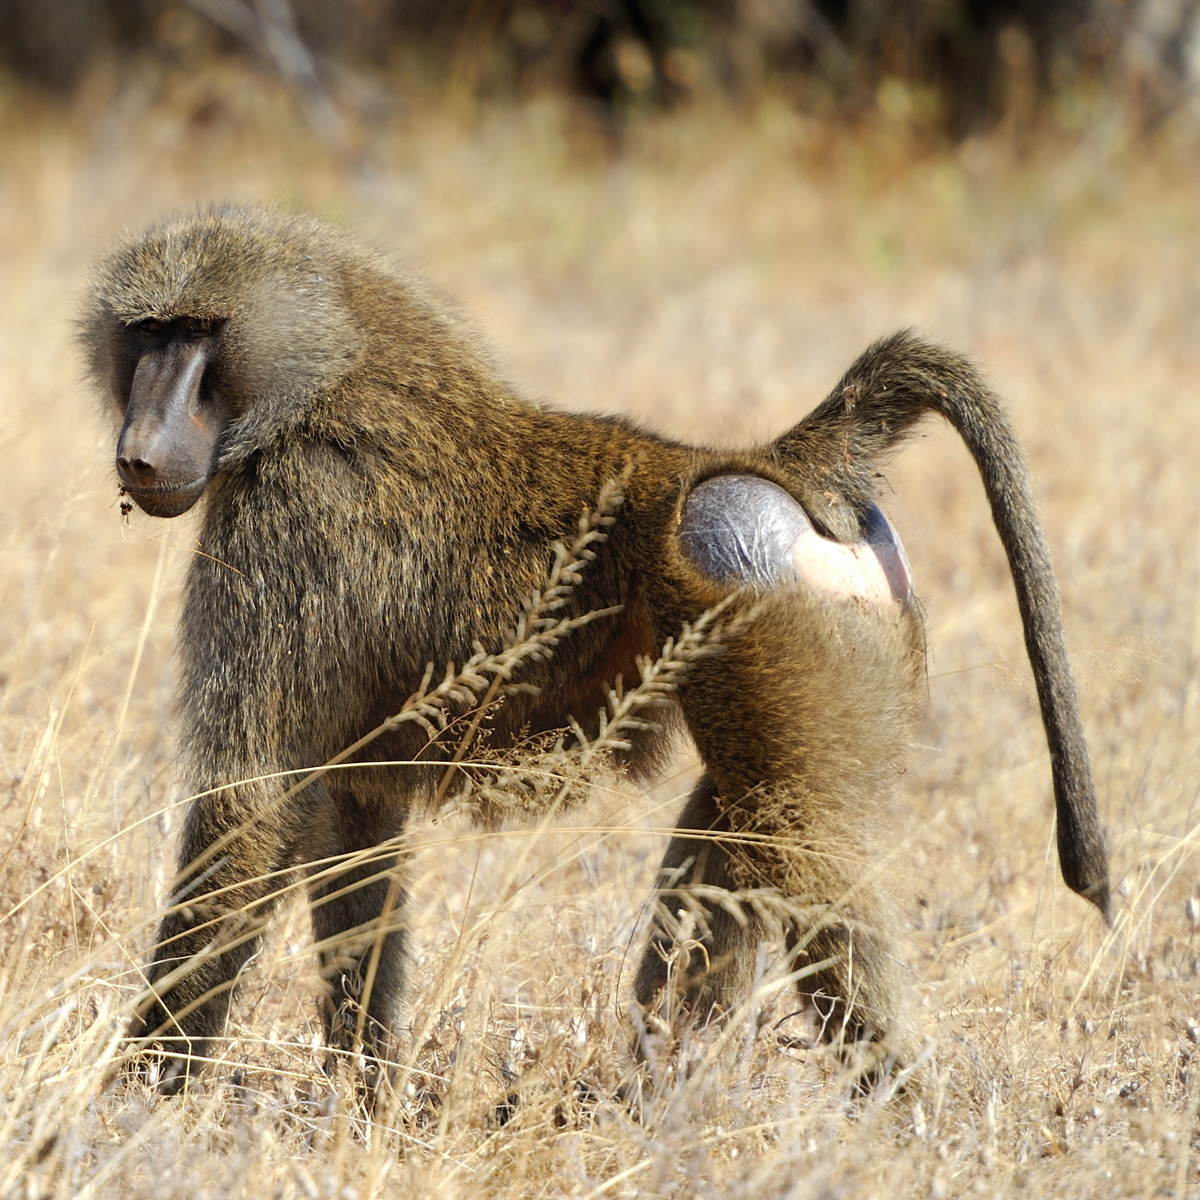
[{"x": 875, "y": 569}]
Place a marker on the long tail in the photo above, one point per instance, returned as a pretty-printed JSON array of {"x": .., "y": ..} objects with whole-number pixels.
[{"x": 837, "y": 448}]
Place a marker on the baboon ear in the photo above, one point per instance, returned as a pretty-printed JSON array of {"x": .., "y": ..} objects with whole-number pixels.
[{"x": 745, "y": 530}]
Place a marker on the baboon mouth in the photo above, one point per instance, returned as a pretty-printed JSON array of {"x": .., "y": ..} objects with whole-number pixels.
[{"x": 167, "y": 500}]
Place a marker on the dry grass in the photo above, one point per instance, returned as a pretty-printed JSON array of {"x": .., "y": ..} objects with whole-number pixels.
[{"x": 714, "y": 281}]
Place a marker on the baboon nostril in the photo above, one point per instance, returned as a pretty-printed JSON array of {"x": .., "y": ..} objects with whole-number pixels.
[{"x": 136, "y": 470}]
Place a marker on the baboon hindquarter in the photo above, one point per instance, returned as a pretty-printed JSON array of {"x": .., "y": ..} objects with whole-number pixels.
[{"x": 378, "y": 499}]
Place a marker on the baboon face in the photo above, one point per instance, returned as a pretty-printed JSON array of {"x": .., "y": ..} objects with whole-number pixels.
[
  {"x": 208, "y": 337},
  {"x": 175, "y": 413}
]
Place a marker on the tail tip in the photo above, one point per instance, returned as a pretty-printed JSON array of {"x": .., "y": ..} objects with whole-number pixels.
[{"x": 1099, "y": 894}]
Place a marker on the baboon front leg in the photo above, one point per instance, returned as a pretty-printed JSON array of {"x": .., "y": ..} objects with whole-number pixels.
[
  {"x": 234, "y": 864},
  {"x": 802, "y": 717},
  {"x": 357, "y": 915}
]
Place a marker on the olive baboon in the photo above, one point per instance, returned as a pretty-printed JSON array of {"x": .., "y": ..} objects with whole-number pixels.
[{"x": 378, "y": 499}]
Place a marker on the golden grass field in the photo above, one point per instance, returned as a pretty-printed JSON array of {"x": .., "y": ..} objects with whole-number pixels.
[{"x": 713, "y": 279}]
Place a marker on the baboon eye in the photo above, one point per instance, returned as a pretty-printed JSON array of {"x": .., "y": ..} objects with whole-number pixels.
[
  {"x": 150, "y": 326},
  {"x": 199, "y": 326}
]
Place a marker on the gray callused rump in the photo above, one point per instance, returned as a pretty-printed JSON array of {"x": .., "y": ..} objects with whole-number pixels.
[{"x": 742, "y": 529}]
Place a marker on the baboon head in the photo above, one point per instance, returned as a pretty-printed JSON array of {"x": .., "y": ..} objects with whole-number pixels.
[{"x": 209, "y": 335}]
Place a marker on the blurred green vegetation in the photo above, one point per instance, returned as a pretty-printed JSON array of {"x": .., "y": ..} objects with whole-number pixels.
[{"x": 956, "y": 67}]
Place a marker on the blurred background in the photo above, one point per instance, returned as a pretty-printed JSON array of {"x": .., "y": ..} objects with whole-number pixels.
[
  {"x": 697, "y": 212},
  {"x": 955, "y": 66}
]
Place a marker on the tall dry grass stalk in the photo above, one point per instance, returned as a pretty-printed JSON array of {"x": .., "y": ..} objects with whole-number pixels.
[{"x": 714, "y": 280}]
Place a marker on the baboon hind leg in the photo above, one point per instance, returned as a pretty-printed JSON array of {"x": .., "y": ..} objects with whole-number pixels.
[
  {"x": 852, "y": 981},
  {"x": 833, "y": 915},
  {"x": 357, "y": 916},
  {"x": 702, "y": 952},
  {"x": 802, "y": 718}
]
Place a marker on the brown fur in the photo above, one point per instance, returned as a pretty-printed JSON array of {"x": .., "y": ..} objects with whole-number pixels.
[{"x": 380, "y": 499}]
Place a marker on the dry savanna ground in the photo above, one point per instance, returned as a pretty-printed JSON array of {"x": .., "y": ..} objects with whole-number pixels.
[{"x": 713, "y": 279}]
